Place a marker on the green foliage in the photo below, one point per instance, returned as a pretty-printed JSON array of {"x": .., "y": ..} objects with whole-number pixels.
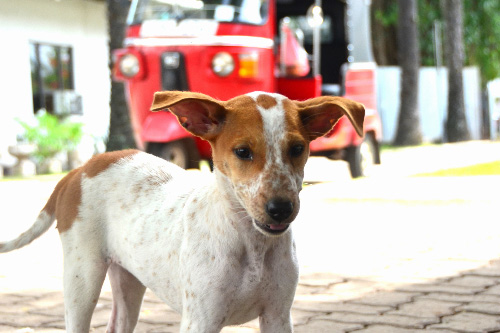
[
  {"x": 428, "y": 14},
  {"x": 481, "y": 36},
  {"x": 481, "y": 32},
  {"x": 52, "y": 135},
  {"x": 389, "y": 17}
]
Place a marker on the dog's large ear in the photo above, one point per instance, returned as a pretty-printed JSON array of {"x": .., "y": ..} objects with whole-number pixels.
[
  {"x": 200, "y": 114},
  {"x": 320, "y": 114}
]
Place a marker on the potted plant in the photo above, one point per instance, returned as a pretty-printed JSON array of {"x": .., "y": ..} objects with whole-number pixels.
[{"x": 51, "y": 135}]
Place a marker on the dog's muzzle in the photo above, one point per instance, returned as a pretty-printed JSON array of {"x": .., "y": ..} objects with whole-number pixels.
[
  {"x": 271, "y": 229},
  {"x": 279, "y": 209}
]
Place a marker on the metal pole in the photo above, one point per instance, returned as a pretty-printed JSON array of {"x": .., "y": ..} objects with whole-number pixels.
[
  {"x": 437, "y": 44},
  {"x": 284, "y": 22},
  {"x": 438, "y": 59},
  {"x": 317, "y": 45}
]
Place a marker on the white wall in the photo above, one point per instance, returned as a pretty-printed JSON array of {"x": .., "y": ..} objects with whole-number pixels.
[
  {"x": 433, "y": 101},
  {"x": 80, "y": 24},
  {"x": 494, "y": 108}
]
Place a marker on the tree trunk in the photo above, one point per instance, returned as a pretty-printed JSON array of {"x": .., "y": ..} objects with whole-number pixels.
[
  {"x": 120, "y": 132},
  {"x": 378, "y": 34},
  {"x": 408, "y": 132},
  {"x": 456, "y": 123},
  {"x": 383, "y": 33}
]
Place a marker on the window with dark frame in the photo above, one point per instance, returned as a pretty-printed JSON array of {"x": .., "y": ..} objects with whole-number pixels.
[{"x": 51, "y": 70}]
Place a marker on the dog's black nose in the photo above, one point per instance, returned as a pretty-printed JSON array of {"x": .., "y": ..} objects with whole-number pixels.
[{"x": 279, "y": 209}]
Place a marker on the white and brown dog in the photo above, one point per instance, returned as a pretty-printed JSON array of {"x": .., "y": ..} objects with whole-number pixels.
[{"x": 219, "y": 251}]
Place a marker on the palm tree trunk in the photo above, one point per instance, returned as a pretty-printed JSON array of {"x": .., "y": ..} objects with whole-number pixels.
[
  {"x": 383, "y": 34},
  {"x": 408, "y": 132},
  {"x": 456, "y": 123},
  {"x": 120, "y": 132}
]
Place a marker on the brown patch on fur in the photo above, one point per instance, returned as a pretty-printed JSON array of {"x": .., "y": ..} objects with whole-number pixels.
[
  {"x": 243, "y": 127},
  {"x": 66, "y": 198},
  {"x": 64, "y": 201},
  {"x": 99, "y": 163},
  {"x": 320, "y": 114},
  {"x": 50, "y": 206},
  {"x": 296, "y": 133},
  {"x": 266, "y": 101}
]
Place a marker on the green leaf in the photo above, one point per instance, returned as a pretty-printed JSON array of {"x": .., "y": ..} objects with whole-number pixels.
[{"x": 52, "y": 135}]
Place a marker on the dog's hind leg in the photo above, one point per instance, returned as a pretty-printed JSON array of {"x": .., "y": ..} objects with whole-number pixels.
[
  {"x": 128, "y": 293},
  {"x": 84, "y": 272}
]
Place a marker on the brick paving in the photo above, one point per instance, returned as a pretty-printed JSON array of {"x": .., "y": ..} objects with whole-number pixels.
[
  {"x": 450, "y": 305},
  {"x": 411, "y": 255}
]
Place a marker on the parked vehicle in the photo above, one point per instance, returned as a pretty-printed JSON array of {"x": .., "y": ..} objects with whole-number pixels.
[{"x": 225, "y": 48}]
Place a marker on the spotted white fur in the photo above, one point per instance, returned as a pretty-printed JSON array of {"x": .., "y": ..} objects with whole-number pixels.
[
  {"x": 195, "y": 241},
  {"x": 277, "y": 174},
  {"x": 274, "y": 127},
  {"x": 274, "y": 123}
]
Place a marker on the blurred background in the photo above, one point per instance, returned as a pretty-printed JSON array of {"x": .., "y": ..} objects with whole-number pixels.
[
  {"x": 418, "y": 224},
  {"x": 58, "y": 98}
]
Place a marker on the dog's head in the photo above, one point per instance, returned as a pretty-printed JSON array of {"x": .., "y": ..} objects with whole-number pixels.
[{"x": 260, "y": 144}]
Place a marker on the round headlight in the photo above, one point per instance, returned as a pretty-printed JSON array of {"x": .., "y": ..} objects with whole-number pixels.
[
  {"x": 129, "y": 65},
  {"x": 223, "y": 64}
]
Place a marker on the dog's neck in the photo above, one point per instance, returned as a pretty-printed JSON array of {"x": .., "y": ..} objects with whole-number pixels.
[
  {"x": 255, "y": 247},
  {"x": 239, "y": 217},
  {"x": 226, "y": 189}
]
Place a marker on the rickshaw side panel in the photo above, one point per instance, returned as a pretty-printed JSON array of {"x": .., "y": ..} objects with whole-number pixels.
[
  {"x": 359, "y": 85},
  {"x": 162, "y": 127},
  {"x": 300, "y": 88},
  {"x": 341, "y": 136}
]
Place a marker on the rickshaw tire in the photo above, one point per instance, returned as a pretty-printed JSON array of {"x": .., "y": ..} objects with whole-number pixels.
[
  {"x": 355, "y": 155},
  {"x": 181, "y": 152}
]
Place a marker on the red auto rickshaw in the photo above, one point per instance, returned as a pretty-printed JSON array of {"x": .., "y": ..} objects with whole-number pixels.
[{"x": 224, "y": 48}]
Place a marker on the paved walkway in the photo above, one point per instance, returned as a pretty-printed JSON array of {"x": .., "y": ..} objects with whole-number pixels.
[
  {"x": 467, "y": 302},
  {"x": 385, "y": 254}
]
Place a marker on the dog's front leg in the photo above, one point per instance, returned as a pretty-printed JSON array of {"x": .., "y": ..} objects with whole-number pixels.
[
  {"x": 194, "y": 321},
  {"x": 202, "y": 311},
  {"x": 272, "y": 322}
]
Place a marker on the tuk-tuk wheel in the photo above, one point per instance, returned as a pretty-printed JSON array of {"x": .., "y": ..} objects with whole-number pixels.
[
  {"x": 362, "y": 158},
  {"x": 181, "y": 152}
]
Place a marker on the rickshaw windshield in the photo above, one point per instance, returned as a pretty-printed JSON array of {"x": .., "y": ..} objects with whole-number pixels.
[{"x": 235, "y": 11}]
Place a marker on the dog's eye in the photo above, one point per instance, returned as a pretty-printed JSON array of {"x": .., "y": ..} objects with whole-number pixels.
[
  {"x": 296, "y": 150},
  {"x": 243, "y": 153}
]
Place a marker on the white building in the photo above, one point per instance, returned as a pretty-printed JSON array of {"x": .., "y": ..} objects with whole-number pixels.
[
  {"x": 53, "y": 51},
  {"x": 433, "y": 101}
]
